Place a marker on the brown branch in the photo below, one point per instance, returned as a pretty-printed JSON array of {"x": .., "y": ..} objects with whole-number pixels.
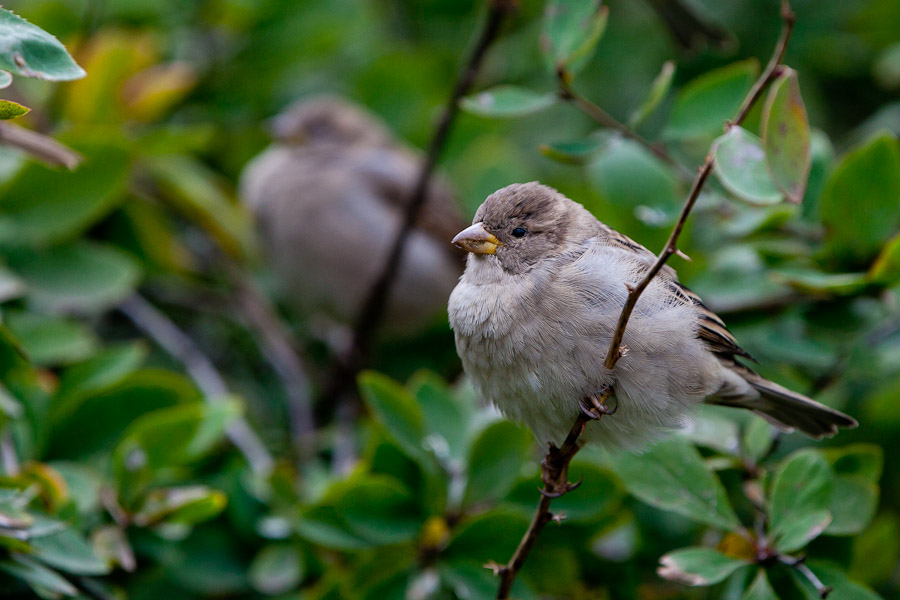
[
  {"x": 556, "y": 463},
  {"x": 634, "y": 292},
  {"x": 373, "y": 310},
  {"x": 40, "y": 146},
  {"x": 658, "y": 149},
  {"x": 554, "y": 474},
  {"x": 182, "y": 348}
]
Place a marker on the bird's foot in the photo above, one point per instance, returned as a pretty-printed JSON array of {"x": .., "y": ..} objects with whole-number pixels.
[
  {"x": 552, "y": 489},
  {"x": 596, "y": 405}
]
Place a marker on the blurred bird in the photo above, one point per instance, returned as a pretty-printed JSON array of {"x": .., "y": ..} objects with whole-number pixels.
[
  {"x": 329, "y": 196},
  {"x": 537, "y": 306}
]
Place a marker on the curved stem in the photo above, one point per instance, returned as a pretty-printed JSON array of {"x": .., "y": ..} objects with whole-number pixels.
[{"x": 771, "y": 71}]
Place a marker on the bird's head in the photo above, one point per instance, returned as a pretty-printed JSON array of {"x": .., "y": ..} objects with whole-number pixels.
[
  {"x": 328, "y": 119},
  {"x": 523, "y": 224}
]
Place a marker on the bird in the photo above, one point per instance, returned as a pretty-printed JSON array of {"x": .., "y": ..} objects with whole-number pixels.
[
  {"x": 534, "y": 313},
  {"x": 329, "y": 196}
]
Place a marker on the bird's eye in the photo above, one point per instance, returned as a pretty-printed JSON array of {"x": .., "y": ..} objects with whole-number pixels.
[{"x": 519, "y": 232}]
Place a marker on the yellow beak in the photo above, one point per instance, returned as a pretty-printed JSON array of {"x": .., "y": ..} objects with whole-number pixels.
[{"x": 477, "y": 240}]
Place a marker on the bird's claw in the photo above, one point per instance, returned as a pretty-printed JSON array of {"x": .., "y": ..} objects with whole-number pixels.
[
  {"x": 594, "y": 406},
  {"x": 556, "y": 493}
]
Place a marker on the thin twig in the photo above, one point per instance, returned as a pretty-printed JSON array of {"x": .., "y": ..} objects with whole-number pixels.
[
  {"x": 164, "y": 332},
  {"x": 634, "y": 292},
  {"x": 40, "y": 146},
  {"x": 799, "y": 565},
  {"x": 275, "y": 344},
  {"x": 372, "y": 313},
  {"x": 556, "y": 463},
  {"x": 658, "y": 149},
  {"x": 554, "y": 474}
]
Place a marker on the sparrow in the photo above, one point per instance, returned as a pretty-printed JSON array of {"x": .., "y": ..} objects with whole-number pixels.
[
  {"x": 329, "y": 196},
  {"x": 535, "y": 310}
]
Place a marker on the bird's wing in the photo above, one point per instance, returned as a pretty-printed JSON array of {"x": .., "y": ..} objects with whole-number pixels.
[{"x": 711, "y": 329}]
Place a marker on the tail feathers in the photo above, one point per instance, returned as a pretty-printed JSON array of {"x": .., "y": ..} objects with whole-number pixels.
[{"x": 788, "y": 410}]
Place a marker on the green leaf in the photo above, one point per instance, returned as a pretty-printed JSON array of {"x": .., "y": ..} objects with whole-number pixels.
[
  {"x": 876, "y": 551},
  {"x": 853, "y": 504},
  {"x": 276, "y": 569},
  {"x": 703, "y": 105},
  {"x": 101, "y": 371},
  {"x": 83, "y": 277},
  {"x": 627, "y": 174},
  {"x": 82, "y": 424},
  {"x": 862, "y": 460},
  {"x": 396, "y": 410},
  {"x": 574, "y": 153},
  {"x": 801, "y": 494},
  {"x": 28, "y": 50},
  {"x": 841, "y": 585},
  {"x": 757, "y": 438},
  {"x": 860, "y": 205},
  {"x": 672, "y": 476},
  {"x": 658, "y": 90},
  {"x": 469, "y": 579},
  {"x": 785, "y": 132},
  {"x": 495, "y": 461},
  {"x": 324, "y": 526},
  {"x": 12, "y": 110},
  {"x": 39, "y": 577},
  {"x": 378, "y": 509},
  {"x": 186, "y": 505},
  {"x": 52, "y": 340},
  {"x": 68, "y": 551},
  {"x": 818, "y": 282},
  {"x": 709, "y": 428},
  {"x": 42, "y": 206},
  {"x": 886, "y": 268},
  {"x": 506, "y": 101},
  {"x": 698, "y": 566},
  {"x": 600, "y": 493},
  {"x": 797, "y": 533},
  {"x": 169, "y": 437},
  {"x": 740, "y": 165},
  {"x": 489, "y": 536},
  {"x": 571, "y": 31},
  {"x": 445, "y": 416},
  {"x": 761, "y": 589}
]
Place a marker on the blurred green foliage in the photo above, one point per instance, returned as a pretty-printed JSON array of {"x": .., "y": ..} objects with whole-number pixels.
[{"x": 118, "y": 476}]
